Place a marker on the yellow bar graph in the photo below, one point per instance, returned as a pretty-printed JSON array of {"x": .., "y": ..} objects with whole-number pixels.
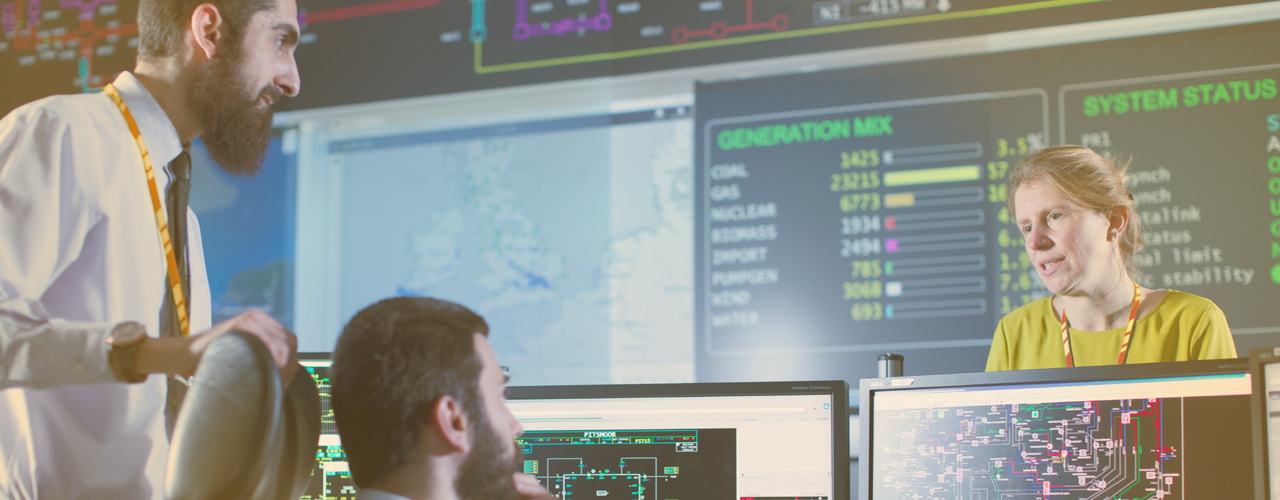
[
  {"x": 932, "y": 176},
  {"x": 899, "y": 200}
]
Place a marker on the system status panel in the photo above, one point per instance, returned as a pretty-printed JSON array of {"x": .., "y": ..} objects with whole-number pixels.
[{"x": 1195, "y": 241}]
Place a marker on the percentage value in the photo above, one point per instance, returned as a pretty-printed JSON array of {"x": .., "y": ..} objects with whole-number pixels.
[
  {"x": 1003, "y": 216},
  {"x": 997, "y": 170},
  {"x": 1006, "y": 305},
  {"x": 1029, "y": 143},
  {"x": 1007, "y": 282},
  {"x": 997, "y": 193},
  {"x": 1003, "y": 148},
  {"x": 1006, "y": 240},
  {"x": 1014, "y": 263}
]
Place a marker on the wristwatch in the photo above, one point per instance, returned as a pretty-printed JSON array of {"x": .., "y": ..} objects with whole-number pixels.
[{"x": 124, "y": 340}]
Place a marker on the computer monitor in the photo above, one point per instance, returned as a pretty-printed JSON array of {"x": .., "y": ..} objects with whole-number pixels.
[
  {"x": 1264, "y": 364},
  {"x": 331, "y": 477},
  {"x": 760, "y": 440},
  {"x": 770, "y": 440},
  {"x": 1154, "y": 431}
]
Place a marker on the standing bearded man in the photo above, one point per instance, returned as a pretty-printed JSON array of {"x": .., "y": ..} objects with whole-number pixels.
[{"x": 102, "y": 277}]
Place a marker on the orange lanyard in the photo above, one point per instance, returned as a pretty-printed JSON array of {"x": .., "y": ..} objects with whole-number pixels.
[
  {"x": 175, "y": 282},
  {"x": 1124, "y": 343}
]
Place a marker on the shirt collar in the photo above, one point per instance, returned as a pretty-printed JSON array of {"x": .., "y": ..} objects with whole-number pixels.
[
  {"x": 157, "y": 130},
  {"x": 372, "y": 494}
]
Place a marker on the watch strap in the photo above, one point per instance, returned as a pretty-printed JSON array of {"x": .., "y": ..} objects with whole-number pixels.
[{"x": 125, "y": 340}]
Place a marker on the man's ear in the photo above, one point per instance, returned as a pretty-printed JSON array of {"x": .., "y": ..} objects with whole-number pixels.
[
  {"x": 206, "y": 30},
  {"x": 449, "y": 419}
]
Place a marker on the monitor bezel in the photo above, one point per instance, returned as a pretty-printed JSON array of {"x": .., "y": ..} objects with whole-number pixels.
[
  {"x": 868, "y": 387},
  {"x": 1258, "y": 361},
  {"x": 315, "y": 356},
  {"x": 837, "y": 389}
]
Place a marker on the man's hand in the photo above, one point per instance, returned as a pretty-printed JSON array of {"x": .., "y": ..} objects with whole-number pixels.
[
  {"x": 181, "y": 355},
  {"x": 530, "y": 489}
]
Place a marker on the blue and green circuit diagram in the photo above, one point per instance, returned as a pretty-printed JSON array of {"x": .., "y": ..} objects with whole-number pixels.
[
  {"x": 645, "y": 464},
  {"x": 1113, "y": 450}
]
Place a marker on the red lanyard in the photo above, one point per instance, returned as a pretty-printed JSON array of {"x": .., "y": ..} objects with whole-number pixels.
[
  {"x": 179, "y": 302},
  {"x": 1124, "y": 343}
]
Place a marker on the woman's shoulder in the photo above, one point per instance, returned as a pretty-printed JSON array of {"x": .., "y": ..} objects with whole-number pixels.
[
  {"x": 1198, "y": 320},
  {"x": 1176, "y": 302},
  {"x": 1034, "y": 312}
]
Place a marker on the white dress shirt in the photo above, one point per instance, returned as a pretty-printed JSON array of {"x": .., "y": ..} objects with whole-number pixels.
[{"x": 80, "y": 253}]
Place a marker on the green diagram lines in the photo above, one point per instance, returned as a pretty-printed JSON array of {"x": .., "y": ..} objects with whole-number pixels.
[{"x": 631, "y": 464}]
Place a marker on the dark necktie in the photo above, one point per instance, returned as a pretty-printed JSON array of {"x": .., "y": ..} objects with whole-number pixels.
[
  {"x": 176, "y": 200},
  {"x": 176, "y": 203}
]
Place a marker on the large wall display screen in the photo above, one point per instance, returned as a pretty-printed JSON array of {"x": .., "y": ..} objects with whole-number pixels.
[
  {"x": 553, "y": 165},
  {"x": 855, "y": 212},
  {"x": 354, "y": 51}
]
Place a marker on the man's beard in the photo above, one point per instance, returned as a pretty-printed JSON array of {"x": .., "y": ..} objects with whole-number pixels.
[
  {"x": 236, "y": 131},
  {"x": 486, "y": 474}
]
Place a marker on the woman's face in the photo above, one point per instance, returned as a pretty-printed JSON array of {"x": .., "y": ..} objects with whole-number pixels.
[{"x": 1067, "y": 243}]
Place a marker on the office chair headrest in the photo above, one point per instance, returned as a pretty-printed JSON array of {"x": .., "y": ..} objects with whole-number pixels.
[
  {"x": 238, "y": 435},
  {"x": 302, "y": 412}
]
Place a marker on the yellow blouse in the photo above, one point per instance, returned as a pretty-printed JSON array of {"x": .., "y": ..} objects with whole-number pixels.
[{"x": 1182, "y": 327}]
